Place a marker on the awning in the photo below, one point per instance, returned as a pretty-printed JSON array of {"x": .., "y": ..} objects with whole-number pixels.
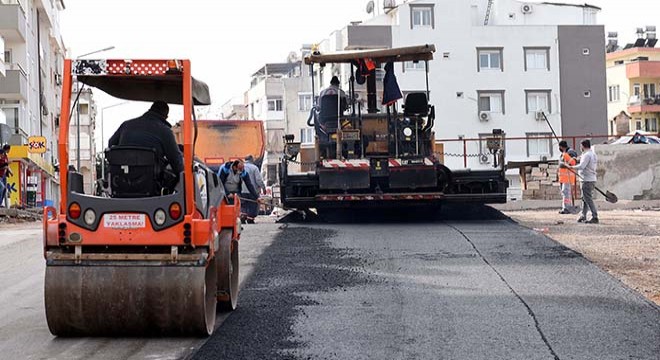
[
  {"x": 20, "y": 153},
  {"x": 410, "y": 53}
]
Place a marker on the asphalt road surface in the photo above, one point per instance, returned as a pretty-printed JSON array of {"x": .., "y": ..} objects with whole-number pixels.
[{"x": 469, "y": 285}]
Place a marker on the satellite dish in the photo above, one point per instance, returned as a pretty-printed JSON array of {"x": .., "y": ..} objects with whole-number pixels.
[
  {"x": 370, "y": 7},
  {"x": 293, "y": 57}
]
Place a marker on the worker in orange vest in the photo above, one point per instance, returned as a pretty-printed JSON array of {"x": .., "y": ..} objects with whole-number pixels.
[{"x": 566, "y": 177}]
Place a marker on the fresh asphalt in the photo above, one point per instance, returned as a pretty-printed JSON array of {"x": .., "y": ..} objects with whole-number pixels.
[{"x": 469, "y": 284}]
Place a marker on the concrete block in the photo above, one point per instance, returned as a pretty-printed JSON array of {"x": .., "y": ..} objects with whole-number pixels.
[{"x": 533, "y": 185}]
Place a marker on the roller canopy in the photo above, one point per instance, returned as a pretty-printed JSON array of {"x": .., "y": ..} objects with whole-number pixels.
[
  {"x": 168, "y": 88},
  {"x": 410, "y": 53}
]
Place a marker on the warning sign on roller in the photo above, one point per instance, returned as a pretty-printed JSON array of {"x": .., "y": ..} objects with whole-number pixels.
[{"x": 124, "y": 221}]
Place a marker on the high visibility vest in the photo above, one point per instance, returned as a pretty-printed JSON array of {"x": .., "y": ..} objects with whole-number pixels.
[{"x": 567, "y": 176}]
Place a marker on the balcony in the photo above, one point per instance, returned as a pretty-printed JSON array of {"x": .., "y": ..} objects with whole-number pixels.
[
  {"x": 12, "y": 23},
  {"x": 14, "y": 86},
  {"x": 643, "y": 69},
  {"x": 646, "y": 105},
  {"x": 368, "y": 37}
]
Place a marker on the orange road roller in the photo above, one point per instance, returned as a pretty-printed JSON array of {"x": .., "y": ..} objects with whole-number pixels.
[{"x": 155, "y": 252}]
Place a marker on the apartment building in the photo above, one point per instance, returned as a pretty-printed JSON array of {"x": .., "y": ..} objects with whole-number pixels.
[
  {"x": 280, "y": 95},
  {"x": 633, "y": 85},
  {"x": 82, "y": 137},
  {"x": 30, "y": 84}
]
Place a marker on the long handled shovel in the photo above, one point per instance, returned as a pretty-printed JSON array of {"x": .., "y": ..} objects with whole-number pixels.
[{"x": 609, "y": 196}]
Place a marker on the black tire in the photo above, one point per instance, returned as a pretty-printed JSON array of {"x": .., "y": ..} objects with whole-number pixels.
[{"x": 228, "y": 271}]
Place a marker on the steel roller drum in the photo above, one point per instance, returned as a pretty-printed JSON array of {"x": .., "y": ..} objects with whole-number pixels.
[{"x": 102, "y": 300}]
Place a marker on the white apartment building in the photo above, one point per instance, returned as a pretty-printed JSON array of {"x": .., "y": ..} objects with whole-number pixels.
[
  {"x": 280, "y": 95},
  {"x": 30, "y": 86},
  {"x": 86, "y": 112},
  {"x": 497, "y": 64}
]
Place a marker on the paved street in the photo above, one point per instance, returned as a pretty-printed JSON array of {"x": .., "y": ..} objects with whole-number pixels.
[{"x": 448, "y": 289}]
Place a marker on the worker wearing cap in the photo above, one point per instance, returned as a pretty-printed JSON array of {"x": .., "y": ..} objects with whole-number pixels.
[
  {"x": 587, "y": 171},
  {"x": 566, "y": 177}
]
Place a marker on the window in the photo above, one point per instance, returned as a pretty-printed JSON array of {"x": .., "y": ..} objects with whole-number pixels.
[
  {"x": 411, "y": 65},
  {"x": 538, "y": 100},
  {"x": 613, "y": 93},
  {"x": 539, "y": 144},
  {"x": 304, "y": 102},
  {"x": 651, "y": 125},
  {"x": 636, "y": 90},
  {"x": 649, "y": 91},
  {"x": 490, "y": 59},
  {"x": 421, "y": 16},
  {"x": 638, "y": 124},
  {"x": 307, "y": 135},
  {"x": 537, "y": 59},
  {"x": 8, "y": 57},
  {"x": 275, "y": 104},
  {"x": 84, "y": 109},
  {"x": 491, "y": 101}
]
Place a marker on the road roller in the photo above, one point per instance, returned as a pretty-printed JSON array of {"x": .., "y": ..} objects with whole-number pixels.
[{"x": 155, "y": 253}]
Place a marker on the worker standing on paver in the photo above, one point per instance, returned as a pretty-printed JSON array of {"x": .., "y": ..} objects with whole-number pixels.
[
  {"x": 587, "y": 171},
  {"x": 251, "y": 206},
  {"x": 567, "y": 177}
]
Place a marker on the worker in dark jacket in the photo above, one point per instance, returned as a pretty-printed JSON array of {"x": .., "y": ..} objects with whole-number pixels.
[
  {"x": 233, "y": 177},
  {"x": 151, "y": 130}
]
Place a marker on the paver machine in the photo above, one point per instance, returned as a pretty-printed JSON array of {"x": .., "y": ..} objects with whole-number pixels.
[
  {"x": 151, "y": 258},
  {"x": 371, "y": 157}
]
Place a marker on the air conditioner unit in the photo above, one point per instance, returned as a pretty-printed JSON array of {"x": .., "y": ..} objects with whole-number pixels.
[
  {"x": 484, "y": 115},
  {"x": 544, "y": 158},
  {"x": 389, "y": 4},
  {"x": 538, "y": 115},
  {"x": 484, "y": 159},
  {"x": 526, "y": 8}
]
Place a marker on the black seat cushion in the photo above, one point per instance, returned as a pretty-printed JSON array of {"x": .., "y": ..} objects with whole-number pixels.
[{"x": 134, "y": 171}]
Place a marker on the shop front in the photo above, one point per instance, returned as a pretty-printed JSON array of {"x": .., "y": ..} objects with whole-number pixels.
[{"x": 33, "y": 182}]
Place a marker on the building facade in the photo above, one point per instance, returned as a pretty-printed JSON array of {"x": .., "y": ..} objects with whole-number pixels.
[
  {"x": 85, "y": 114},
  {"x": 633, "y": 88},
  {"x": 30, "y": 87}
]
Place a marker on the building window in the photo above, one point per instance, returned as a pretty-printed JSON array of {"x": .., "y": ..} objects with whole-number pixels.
[
  {"x": 651, "y": 125},
  {"x": 638, "y": 124},
  {"x": 8, "y": 57},
  {"x": 613, "y": 93},
  {"x": 421, "y": 16},
  {"x": 649, "y": 91},
  {"x": 539, "y": 144},
  {"x": 637, "y": 90},
  {"x": 307, "y": 135},
  {"x": 538, "y": 100},
  {"x": 492, "y": 101},
  {"x": 537, "y": 59},
  {"x": 304, "y": 102},
  {"x": 490, "y": 59},
  {"x": 411, "y": 65},
  {"x": 275, "y": 104}
]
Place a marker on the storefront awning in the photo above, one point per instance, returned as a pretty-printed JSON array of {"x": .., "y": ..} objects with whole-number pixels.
[{"x": 21, "y": 153}]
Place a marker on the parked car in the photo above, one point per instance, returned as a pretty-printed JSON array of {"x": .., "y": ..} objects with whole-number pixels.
[{"x": 638, "y": 137}]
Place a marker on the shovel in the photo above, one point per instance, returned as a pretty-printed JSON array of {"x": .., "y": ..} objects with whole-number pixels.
[{"x": 609, "y": 196}]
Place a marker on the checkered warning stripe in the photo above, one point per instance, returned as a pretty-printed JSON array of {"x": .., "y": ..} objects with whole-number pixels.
[{"x": 346, "y": 164}]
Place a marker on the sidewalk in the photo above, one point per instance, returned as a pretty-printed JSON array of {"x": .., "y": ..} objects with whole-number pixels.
[{"x": 602, "y": 205}]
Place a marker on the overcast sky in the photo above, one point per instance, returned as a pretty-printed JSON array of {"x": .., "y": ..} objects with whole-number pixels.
[{"x": 228, "y": 40}]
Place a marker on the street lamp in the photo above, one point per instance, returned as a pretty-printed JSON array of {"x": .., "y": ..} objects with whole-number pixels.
[
  {"x": 102, "y": 137},
  {"x": 78, "y": 107}
]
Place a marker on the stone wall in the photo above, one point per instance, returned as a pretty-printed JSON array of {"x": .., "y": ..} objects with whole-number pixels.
[{"x": 631, "y": 171}]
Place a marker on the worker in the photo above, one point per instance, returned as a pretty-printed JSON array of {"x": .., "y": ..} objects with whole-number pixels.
[
  {"x": 151, "y": 130},
  {"x": 233, "y": 177},
  {"x": 333, "y": 89},
  {"x": 566, "y": 177},
  {"x": 587, "y": 173},
  {"x": 251, "y": 208},
  {"x": 5, "y": 171}
]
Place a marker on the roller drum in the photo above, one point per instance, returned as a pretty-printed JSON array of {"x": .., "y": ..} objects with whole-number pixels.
[{"x": 98, "y": 300}]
